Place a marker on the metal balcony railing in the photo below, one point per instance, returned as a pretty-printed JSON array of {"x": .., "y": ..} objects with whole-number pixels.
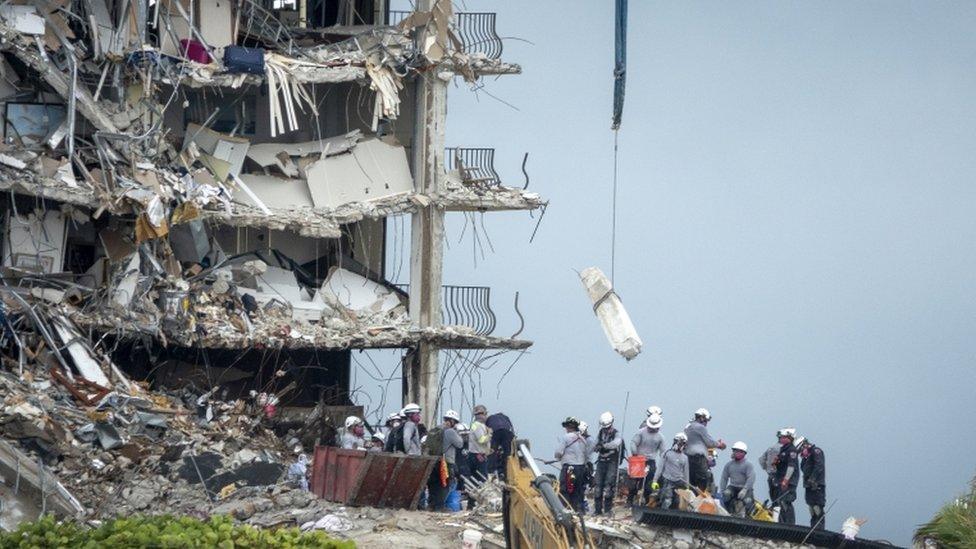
[
  {"x": 476, "y": 30},
  {"x": 264, "y": 25},
  {"x": 465, "y": 306},
  {"x": 476, "y": 165}
]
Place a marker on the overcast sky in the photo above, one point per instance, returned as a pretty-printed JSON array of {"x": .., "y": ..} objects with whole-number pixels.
[{"x": 795, "y": 236}]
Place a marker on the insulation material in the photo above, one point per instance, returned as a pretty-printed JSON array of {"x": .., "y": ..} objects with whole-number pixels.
[
  {"x": 373, "y": 169},
  {"x": 613, "y": 317},
  {"x": 35, "y": 242},
  {"x": 357, "y": 293},
  {"x": 87, "y": 366}
]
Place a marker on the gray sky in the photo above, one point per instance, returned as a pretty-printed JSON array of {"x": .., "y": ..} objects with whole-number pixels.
[{"x": 795, "y": 231}]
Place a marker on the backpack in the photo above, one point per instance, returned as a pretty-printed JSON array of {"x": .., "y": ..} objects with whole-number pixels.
[
  {"x": 394, "y": 441},
  {"x": 434, "y": 444}
]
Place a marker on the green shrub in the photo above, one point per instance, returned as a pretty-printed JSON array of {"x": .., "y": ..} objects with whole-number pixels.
[
  {"x": 162, "y": 531},
  {"x": 954, "y": 525}
]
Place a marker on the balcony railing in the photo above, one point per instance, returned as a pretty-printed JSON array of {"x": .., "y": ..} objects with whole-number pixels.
[
  {"x": 476, "y": 165},
  {"x": 476, "y": 30},
  {"x": 465, "y": 306}
]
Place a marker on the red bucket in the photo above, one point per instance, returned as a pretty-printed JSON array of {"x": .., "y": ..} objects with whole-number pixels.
[{"x": 637, "y": 466}]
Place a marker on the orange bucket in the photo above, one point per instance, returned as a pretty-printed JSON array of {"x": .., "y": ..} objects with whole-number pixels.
[{"x": 637, "y": 466}]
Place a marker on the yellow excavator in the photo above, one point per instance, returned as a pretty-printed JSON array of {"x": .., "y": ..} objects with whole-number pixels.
[{"x": 535, "y": 515}]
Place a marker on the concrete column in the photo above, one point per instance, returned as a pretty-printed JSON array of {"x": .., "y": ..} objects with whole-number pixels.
[{"x": 427, "y": 237}]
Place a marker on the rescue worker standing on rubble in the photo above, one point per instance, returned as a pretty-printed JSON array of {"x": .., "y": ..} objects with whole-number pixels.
[
  {"x": 673, "y": 473},
  {"x": 768, "y": 463},
  {"x": 649, "y": 443},
  {"x": 814, "y": 483},
  {"x": 571, "y": 451},
  {"x": 584, "y": 429},
  {"x": 411, "y": 429},
  {"x": 448, "y": 473},
  {"x": 738, "y": 478},
  {"x": 787, "y": 477},
  {"x": 352, "y": 438},
  {"x": 608, "y": 445},
  {"x": 479, "y": 445},
  {"x": 699, "y": 442}
]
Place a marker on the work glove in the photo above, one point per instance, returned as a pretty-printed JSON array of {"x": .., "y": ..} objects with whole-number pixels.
[
  {"x": 655, "y": 486},
  {"x": 741, "y": 495}
]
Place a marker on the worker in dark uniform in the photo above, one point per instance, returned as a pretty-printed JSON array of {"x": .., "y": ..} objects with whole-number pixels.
[
  {"x": 787, "y": 478},
  {"x": 814, "y": 483},
  {"x": 608, "y": 445}
]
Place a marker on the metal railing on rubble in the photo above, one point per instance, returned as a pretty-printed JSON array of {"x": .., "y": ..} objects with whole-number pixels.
[
  {"x": 477, "y": 165},
  {"x": 476, "y": 30},
  {"x": 264, "y": 25},
  {"x": 465, "y": 306}
]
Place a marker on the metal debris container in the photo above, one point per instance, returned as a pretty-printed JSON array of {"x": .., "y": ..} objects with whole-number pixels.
[{"x": 375, "y": 479}]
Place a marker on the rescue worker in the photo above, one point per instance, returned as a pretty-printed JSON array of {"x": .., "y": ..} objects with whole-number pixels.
[
  {"x": 571, "y": 452},
  {"x": 787, "y": 477},
  {"x": 608, "y": 448},
  {"x": 479, "y": 445},
  {"x": 502, "y": 436},
  {"x": 649, "y": 443},
  {"x": 738, "y": 478},
  {"x": 463, "y": 461},
  {"x": 584, "y": 429},
  {"x": 814, "y": 483},
  {"x": 377, "y": 442},
  {"x": 699, "y": 442},
  {"x": 673, "y": 473},
  {"x": 411, "y": 429},
  {"x": 768, "y": 463},
  {"x": 654, "y": 411},
  {"x": 451, "y": 443},
  {"x": 352, "y": 437},
  {"x": 394, "y": 433}
]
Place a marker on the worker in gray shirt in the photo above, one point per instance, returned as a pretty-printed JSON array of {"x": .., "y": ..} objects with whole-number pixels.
[
  {"x": 672, "y": 474},
  {"x": 352, "y": 438},
  {"x": 699, "y": 442},
  {"x": 451, "y": 443},
  {"x": 411, "y": 432},
  {"x": 738, "y": 478},
  {"x": 768, "y": 463},
  {"x": 649, "y": 443},
  {"x": 572, "y": 452}
]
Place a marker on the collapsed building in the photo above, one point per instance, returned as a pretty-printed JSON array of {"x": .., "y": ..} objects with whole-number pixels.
[{"x": 196, "y": 201}]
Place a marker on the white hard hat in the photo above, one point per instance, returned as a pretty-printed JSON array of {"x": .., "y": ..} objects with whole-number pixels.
[
  {"x": 583, "y": 426},
  {"x": 654, "y": 421},
  {"x": 353, "y": 421},
  {"x": 395, "y": 416},
  {"x": 681, "y": 437},
  {"x": 606, "y": 419},
  {"x": 654, "y": 410},
  {"x": 451, "y": 414},
  {"x": 379, "y": 436},
  {"x": 703, "y": 413},
  {"x": 786, "y": 432},
  {"x": 799, "y": 442},
  {"x": 740, "y": 446},
  {"x": 410, "y": 409}
]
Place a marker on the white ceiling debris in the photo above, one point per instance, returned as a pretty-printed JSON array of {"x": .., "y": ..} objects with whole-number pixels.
[
  {"x": 358, "y": 294},
  {"x": 373, "y": 169}
]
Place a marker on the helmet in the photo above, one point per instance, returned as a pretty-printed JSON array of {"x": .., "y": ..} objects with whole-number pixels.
[
  {"x": 479, "y": 409},
  {"x": 652, "y": 410},
  {"x": 703, "y": 414},
  {"x": 395, "y": 416},
  {"x": 800, "y": 442},
  {"x": 583, "y": 427},
  {"x": 681, "y": 437},
  {"x": 571, "y": 421},
  {"x": 410, "y": 409},
  {"x": 606, "y": 419},
  {"x": 654, "y": 421},
  {"x": 452, "y": 415},
  {"x": 786, "y": 432},
  {"x": 461, "y": 428},
  {"x": 379, "y": 436},
  {"x": 353, "y": 421},
  {"x": 740, "y": 446}
]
